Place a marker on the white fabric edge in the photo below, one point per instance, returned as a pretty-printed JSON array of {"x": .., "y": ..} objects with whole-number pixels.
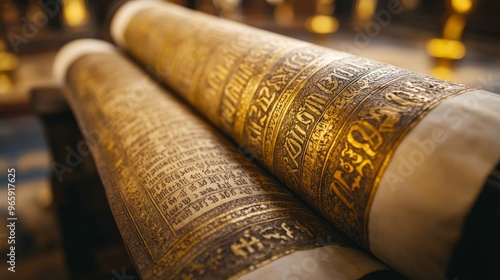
[
  {"x": 419, "y": 209},
  {"x": 322, "y": 263},
  {"x": 124, "y": 14},
  {"x": 72, "y": 51}
]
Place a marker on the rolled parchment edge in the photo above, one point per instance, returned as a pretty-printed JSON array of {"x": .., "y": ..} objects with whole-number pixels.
[
  {"x": 124, "y": 13},
  {"x": 72, "y": 51},
  {"x": 442, "y": 163}
]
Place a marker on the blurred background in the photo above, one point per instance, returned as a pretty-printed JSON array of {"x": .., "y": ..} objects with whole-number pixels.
[{"x": 457, "y": 40}]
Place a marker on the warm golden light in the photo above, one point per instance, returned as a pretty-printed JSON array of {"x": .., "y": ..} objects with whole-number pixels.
[
  {"x": 8, "y": 61},
  {"x": 6, "y": 84},
  {"x": 454, "y": 27},
  {"x": 461, "y": 6},
  {"x": 442, "y": 72},
  {"x": 8, "y": 64},
  {"x": 284, "y": 14},
  {"x": 444, "y": 48},
  {"x": 410, "y": 4},
  {"x": 450, "y": 47},
  {"x": 322, "y": 24},
  {"x": 365, "y": 9},
  {"x": 275, "y": 2},
  {"x": 75, "y": 13}
]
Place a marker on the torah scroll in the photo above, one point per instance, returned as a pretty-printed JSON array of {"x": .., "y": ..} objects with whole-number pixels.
[
  {"x": 187, "y": 204},
  {"x": 395, "y": 159}
]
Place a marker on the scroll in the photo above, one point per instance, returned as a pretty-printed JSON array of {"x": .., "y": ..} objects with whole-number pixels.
[
  {"x": 395, "y": 159},
  {"x": 187, "y": 204}
]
